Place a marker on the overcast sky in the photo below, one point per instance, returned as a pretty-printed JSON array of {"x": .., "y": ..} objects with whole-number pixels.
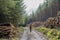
[{"x": 32, "y": 5}]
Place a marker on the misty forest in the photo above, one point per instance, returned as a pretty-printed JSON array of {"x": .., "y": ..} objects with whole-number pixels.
[{"x": 41, "y": 24}]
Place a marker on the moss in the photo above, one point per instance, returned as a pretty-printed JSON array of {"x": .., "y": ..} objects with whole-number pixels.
[{"x": 53, "y": 34}]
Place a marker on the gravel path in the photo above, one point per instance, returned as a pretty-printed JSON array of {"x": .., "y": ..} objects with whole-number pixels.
[{"x": 27, "y": 35}]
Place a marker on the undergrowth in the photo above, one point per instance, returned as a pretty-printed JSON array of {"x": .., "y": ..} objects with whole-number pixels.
[{"x": 52, "y": 34}]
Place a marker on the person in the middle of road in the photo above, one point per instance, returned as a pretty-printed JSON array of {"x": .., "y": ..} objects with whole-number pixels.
[{"x": 30, "y": 27}]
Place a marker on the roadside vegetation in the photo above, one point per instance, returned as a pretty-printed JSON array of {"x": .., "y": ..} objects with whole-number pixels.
[
  {"x": 52, "y": 34},
  {"x": 11, "y": 11},
  {"x": 19, "y": 32}
]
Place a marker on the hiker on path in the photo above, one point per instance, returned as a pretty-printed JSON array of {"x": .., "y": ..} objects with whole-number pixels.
[{"x": 30, "y": 27}]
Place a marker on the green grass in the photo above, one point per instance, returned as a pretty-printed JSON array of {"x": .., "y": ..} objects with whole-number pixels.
[
  {"x": 20, "y": 29},
  {"x": 53, "y": 34},
  {"x": 19, "y": 32}
]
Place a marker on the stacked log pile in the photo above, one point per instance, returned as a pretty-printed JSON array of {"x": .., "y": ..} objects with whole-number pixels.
[
  {"x": 7, "y": 30},
  {"x": 37, "y": 24},
  {"x": 53, "y": 21}
]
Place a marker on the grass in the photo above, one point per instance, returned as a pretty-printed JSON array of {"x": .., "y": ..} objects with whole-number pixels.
[
  {"x": 19, "y": 33},
  {"x": 20, "y": 29},
  {"x": 53, "y": 34}
]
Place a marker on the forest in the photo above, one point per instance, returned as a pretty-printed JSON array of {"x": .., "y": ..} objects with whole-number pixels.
[
  {"x": 46, "y": 19},
  {"x": 12, "y": 11},
  {"x": 48, "y": 9},
  {"x": 14, "y": 20}
]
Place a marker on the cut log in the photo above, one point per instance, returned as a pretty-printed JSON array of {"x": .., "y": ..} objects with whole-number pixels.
[{"x": 7, "y": 30}]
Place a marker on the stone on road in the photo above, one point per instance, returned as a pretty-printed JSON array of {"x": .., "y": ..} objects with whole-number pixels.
[{"x": 27, "y": 35}]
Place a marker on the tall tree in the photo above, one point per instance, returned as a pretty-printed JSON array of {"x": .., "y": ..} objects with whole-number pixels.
[{"x": 11, "y": 11}]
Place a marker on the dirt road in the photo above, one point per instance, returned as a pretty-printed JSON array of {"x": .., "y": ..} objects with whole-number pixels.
[{"x": 27, "y": 35}]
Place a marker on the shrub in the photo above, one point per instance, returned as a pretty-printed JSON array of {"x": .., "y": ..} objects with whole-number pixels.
[
  {"x": 53, "y": 34},
  {"x": 58, "y": 35}
]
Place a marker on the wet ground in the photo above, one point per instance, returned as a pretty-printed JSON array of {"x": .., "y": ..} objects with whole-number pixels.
[{"x": 27, "y": 35}]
